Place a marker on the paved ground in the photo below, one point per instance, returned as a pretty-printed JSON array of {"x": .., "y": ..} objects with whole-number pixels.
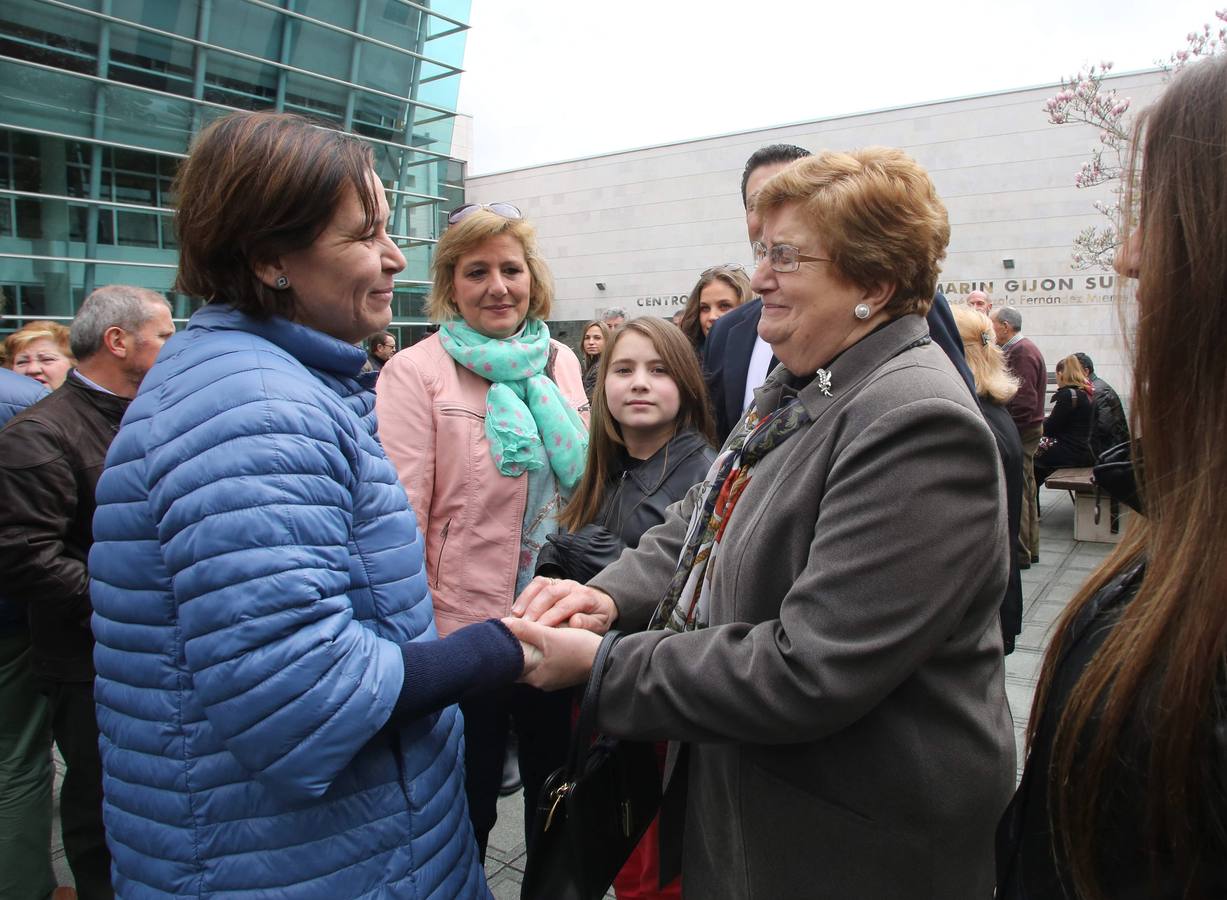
[{"x": 1047, "y": 587}]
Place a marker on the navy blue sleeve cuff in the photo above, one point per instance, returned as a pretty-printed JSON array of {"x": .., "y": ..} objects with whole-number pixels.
[{"x": 475, "y": 659}]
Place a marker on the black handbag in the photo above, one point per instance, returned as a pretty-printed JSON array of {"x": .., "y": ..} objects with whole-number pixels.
[
  {"x": 1116, "y": 473},
  {"x": 594, "y": 810}
]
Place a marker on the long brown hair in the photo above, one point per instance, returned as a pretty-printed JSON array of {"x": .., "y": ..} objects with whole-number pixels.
[
  {"x": 605, "y": 437},
  {"x": 1160, "y": 668},
  {"x": 735, "y": 278},
  {"x": 587, "y": 362}
]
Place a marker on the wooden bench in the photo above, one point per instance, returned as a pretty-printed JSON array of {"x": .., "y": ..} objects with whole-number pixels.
[{"x": 1090, "y": 524}]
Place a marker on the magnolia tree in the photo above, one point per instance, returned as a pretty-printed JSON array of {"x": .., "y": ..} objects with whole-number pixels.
[{"x": 1084, "y": 100}]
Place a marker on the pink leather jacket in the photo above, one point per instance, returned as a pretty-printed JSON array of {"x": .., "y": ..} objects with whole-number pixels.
[{"x": 431, "y": 415}]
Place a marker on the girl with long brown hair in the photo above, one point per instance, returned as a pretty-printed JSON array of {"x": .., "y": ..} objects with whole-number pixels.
[
  {"x": 651, "y": 441},
  {"x": 1125, "y": 788}
]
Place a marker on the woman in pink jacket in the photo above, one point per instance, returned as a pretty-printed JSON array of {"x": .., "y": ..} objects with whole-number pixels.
[{"x": 482, "y": 423}]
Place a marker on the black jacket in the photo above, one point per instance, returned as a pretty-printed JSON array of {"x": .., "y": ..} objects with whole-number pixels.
[
  {"x": 1010, "y": 447},
  {"x": 1069, "y": 425},
  {"x": 1109, "y": 426},
  {"x": 51, "y": 455},
  {"x": 635, "y": 501},
  {"x": 1030, "y": 863}
]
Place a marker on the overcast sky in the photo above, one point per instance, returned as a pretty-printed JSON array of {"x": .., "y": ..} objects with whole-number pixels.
[{"x": 548, "y": 80}]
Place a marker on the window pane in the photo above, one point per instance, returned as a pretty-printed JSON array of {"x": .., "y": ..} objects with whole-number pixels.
[
  {"x": 29, "y": 219},
  {"x": 137, "y": 229}
]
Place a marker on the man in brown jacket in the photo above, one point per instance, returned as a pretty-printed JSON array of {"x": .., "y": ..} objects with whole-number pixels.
[{"x": 51, "y": 455}]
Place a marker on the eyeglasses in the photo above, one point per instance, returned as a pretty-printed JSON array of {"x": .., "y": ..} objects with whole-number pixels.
[
  {"x": 499, "y": 208},
  {"x": 784, "y": 257},
  {"x": 725, "y": 267}
]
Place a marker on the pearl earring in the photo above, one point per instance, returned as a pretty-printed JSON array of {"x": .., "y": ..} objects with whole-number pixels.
[
  {"x": 861, "y": 311},
  {"x": 282, "y": 283}
]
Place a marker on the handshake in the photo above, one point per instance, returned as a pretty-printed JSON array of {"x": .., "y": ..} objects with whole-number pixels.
[{"x": 559, "y": 624}]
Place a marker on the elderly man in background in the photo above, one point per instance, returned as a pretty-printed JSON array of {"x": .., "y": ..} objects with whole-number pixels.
[
  {"x": 1027, "y": 411},
  {"x": 51, "y": 455},
  {"x": 978, "y": 300},
  {"x": 614, "y": 318}
]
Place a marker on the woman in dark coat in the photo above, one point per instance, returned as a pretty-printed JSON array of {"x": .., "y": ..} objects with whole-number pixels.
[
  {"x": 1066, "y": 443},
  {"x": 994, "y": 388}
]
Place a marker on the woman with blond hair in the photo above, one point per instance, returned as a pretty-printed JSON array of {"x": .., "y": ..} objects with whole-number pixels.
[
  {"x": 481, "y": 420},
  {"x": 995, "y": 386},
  {"x": 1066, "y": 443},
  {"x": 1124, "y": 793},
  {"x": 40, "y": 350}
]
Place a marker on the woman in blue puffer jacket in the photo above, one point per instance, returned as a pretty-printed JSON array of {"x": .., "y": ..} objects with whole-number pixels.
[{"x": 274, "y": 703}]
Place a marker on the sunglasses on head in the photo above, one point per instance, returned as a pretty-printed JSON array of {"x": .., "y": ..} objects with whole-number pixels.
[
  {"x": 726, "y": 267},
  {"x": 500, "y": 208}
]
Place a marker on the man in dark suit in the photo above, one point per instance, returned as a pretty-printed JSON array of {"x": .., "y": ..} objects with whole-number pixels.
[{"x": 737, "y": 360}]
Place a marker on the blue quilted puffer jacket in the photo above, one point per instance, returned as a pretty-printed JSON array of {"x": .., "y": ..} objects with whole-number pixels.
[{"x": 256, "y": 568}]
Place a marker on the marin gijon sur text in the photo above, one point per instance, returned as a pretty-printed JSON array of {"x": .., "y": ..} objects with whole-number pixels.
[
  {"x": 1037, "y": 291},
  {"x": 1011, "y": 291}
]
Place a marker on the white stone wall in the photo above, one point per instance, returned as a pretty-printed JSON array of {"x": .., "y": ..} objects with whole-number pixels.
[{"x": 646, "y": 222}]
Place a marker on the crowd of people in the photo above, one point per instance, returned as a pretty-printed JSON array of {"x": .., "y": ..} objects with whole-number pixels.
[{"x": 282, "y": 595}]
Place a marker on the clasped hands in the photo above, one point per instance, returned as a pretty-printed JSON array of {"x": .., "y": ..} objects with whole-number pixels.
[{"x": 559, "y": 624}]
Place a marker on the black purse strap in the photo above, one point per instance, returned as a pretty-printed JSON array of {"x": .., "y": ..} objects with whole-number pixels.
[{"x": 585, "y": 725}]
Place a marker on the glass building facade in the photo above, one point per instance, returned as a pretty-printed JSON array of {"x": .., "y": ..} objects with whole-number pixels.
[{"x": 100, "y": 99}]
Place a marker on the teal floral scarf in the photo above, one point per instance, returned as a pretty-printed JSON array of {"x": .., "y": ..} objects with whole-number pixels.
[{"x": 525, "y": 409}]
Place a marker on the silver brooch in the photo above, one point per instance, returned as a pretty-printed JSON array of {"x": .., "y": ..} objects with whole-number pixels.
[{"x": 824, "y": 382}]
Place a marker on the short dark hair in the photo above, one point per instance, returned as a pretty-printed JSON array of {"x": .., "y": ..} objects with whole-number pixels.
[
  {"x": 1086, "y": 363},
  {"x": 257, "y": 185},
  {"x": 769, "y": 156},
  {"x": 378, "y": 339}
]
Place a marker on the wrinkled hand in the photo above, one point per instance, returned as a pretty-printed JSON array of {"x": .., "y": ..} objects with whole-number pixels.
[
  {"x": 551, "y": 602},
  {"x": 562, "y": 656}
]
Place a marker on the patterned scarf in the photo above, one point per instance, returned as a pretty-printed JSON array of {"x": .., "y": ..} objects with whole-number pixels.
[
  {"x": 686, "y": 605},
  {"x": 524, "y": 407}
]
